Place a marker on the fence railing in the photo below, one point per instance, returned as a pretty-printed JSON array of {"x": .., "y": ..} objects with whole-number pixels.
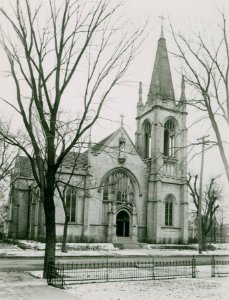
[
  {"x": 219, "y": 267},
  {"x": 62, "y": 274}
]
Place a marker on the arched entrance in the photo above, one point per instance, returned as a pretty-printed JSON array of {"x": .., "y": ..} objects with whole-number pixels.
[{"x": 123, "y": 224}]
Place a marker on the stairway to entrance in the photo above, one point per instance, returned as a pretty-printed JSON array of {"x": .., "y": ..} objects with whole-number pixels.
[{"x": 126, "y": 243}]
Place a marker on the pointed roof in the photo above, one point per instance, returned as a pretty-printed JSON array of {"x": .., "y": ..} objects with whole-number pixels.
[
  {"x": 98, "y": 147},
  {"x": 161, "y": 82}
]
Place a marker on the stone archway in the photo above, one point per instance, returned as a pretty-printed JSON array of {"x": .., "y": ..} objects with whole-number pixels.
[{"x": 123, "y": 224}]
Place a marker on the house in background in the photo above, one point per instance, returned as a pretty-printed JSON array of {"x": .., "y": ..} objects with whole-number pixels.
[{"x": 119, "y": 190}]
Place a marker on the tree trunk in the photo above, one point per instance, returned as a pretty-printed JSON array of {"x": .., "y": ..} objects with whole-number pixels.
[
  {"x": 220, "y": 143},
  {"x": 65, "y": 235},
  {"x": 204, "y": 242},
  {"x": 50, "y": 248}
]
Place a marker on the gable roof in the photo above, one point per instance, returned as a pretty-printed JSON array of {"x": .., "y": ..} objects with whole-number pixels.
[
  {"x": 99, "y": 146},
  {"x": 23, "y": 166}
]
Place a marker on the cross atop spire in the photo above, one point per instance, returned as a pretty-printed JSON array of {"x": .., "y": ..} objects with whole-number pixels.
[
  {"x": 122, "y": 118},
  {"x": 162, "y": 26}
]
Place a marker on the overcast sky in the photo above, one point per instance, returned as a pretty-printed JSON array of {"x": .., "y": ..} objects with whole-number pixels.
[{"x": 185, "y": 15}]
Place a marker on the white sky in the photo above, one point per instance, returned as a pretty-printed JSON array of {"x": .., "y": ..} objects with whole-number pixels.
[{"x": 185, "y": 15}]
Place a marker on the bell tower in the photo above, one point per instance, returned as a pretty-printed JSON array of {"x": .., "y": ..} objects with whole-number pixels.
[{"x": 161, "y": 140}]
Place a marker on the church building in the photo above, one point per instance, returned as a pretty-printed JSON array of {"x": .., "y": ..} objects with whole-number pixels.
[{"x": 120, "y": 190}]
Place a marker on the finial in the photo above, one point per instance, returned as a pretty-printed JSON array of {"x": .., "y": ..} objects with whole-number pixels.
[
  {"x": 182, "y": 97},
  {"x": 140, "y": 93},
  {"x": 122, "y": 118},
  {"x": 162, "y": 27},
  {"x": 140, "y": 88}
]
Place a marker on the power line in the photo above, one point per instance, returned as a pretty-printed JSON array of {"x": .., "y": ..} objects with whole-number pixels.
[{"x": 203, "y": 139}]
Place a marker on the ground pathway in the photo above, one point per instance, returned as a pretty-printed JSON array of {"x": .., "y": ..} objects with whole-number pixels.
[{"x": 23, "y": 286}]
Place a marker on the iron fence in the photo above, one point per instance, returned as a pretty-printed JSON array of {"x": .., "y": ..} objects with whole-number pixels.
[
  {"x": 219, "y": 267},
  {"x": 62, "y": 274}
]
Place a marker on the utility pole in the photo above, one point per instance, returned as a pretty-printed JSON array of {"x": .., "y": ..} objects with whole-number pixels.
[{"x": 203, "y": 139}]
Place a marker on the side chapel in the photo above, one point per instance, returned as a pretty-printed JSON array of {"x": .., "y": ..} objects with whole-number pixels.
[{"x": 140, "y": 191}]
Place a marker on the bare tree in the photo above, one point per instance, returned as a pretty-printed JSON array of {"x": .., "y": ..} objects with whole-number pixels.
[
  {"x": 45, "y": 60},
  {"x": 8, "y": 156},
  {"x": 210, "y": 203},
  {"x": 77, "y": 183},
  {"x": 73, "y": 181},
  {"x": 206, "y": 67},
  {"x": 3, "y": 208}
]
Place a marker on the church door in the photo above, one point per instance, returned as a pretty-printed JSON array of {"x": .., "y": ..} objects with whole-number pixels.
[{"x": 122, "y": 224}]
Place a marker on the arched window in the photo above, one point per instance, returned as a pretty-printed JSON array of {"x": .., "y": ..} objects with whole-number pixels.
[
  {"x": 169, "y": 132},
  {"x": 146, "y": 139},
  {"x": 119, "y": 187},
  {"x": 71, "y": 204},
  {"x": 169, "y": 202}
]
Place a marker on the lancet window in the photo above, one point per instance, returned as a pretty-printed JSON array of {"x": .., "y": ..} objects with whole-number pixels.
[
  {"x": 169, "y": 202},
  {"x": 169, "y": 142},
  {"x": 118, "y": 187},
  {"x": 71, "y": 204}
]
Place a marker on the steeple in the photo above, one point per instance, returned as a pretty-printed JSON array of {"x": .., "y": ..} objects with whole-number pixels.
[{"x": 161, "y": 85}]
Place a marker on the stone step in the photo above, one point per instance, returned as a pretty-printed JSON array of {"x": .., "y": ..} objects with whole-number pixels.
[
  {"x": 126, "y": 243},
  {"x": 131, "y": 246}
]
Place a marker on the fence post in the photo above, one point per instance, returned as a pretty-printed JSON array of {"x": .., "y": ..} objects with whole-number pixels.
[
  {"x": 213, "y": 266},
  {"x": 62, "y": 276},
  {"x": 107, "y": 277},
  {"x": 153, "y": 275},
  {"x": 193, "y": 267}
]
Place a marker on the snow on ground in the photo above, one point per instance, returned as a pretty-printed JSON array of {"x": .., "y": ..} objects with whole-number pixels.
[
  {"x": 32, "y": 248},
  {"x": 182, "y": 289},
  {"x": 202, "y": 287}
]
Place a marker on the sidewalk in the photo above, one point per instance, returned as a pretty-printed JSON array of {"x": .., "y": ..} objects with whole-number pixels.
[{"x": 23, "y": 286}]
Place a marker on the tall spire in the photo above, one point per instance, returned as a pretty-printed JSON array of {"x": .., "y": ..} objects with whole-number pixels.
[{"x": 161, "y": 85}]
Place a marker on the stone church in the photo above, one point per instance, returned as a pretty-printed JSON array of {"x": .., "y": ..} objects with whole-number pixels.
[{"x": 120, "y": 189}]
